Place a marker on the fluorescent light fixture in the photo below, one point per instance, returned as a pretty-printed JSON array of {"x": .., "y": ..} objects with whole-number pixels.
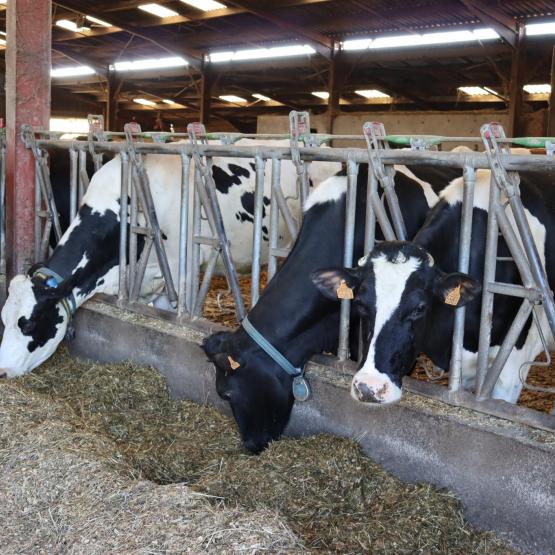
[
  {"x": 372, "y": 93},
  {"x": 321, "y": 94},
  {"x": 97, "y": 21},
  {"x": 71, "y": 71},
  {"x": 547, "y": 28},
  {"x": 232, "y": 98},
  {"x": 205, "y": 5},
  {"x": 71, "y": 26},
  {"x": 2, "y": 33},
  {"x": 474, "y": 91},
  {"x": 2, "y": 42},
  {"x": 261, "y": 97},
  {"x": 262, "y": 53},
  {"x": 156, "y": 9},
  {"x": 400, "y": 41},
  {"x": 166, "y": 101},
  {"x": 538, "y": 89},
  {"x": 144, "y": 102},
  {"x": 152, "y": 63}
]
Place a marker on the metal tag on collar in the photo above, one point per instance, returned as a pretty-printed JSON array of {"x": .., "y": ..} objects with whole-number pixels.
[{"x": 301, "y": 389}]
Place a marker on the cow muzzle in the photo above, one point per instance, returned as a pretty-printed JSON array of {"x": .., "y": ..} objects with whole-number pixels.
[{"x": 374, "y": 389}]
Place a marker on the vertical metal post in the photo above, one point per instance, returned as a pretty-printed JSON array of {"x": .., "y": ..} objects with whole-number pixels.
[
  {"x": 124, "y": 202},
  {"x": 370, "y": 219},
  {"x": 257, "y": 229},
  {"x": 197, "y": 230},
  {"x": 350, "y": 214},
  {"x": 133, "y": 221},
  {"x": 183, "y": 236},
  {"x": 274, "y": 219},
  {"x": 3, "y": 206},
  {"x": 73, "y": 181},
  {"x": 490, "y": 264},
  {"x": 28, "y": 61},
  {"x": 37, "y": 216},
  {"x": 465, "y": 238},
  {"x": 83, "y": 175}
]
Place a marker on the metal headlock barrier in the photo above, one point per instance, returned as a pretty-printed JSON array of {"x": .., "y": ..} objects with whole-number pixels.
[{"x": 196, "y": 157}]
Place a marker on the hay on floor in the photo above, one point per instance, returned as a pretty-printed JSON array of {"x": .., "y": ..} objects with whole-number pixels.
[{"x": 323, "y": 489}]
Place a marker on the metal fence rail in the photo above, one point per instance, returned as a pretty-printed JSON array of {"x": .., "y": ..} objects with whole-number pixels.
[{"x": 196, "y": 159}]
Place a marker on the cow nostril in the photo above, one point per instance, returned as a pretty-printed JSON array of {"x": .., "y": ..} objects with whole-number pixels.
[{"x": 364, "y": 393}]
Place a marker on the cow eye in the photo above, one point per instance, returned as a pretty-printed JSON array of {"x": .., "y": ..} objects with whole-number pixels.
[{"x": 418, "y": 310}]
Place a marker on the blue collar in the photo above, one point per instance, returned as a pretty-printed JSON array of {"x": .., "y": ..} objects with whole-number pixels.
[
  {"x": 301, "y": 390},
  {"x": 53, "y": 280}
]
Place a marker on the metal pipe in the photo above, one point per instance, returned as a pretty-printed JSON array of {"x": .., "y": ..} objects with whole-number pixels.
[
  {"x": 133, "y": 238},
  {"x": 490, "y": 264},
  {"x": 513, "y": 290},
  {"x": 274, "y": 220},
  {"x": 465, "y": 239},
  {"x": 124, "y": 194},
  {"x": 381, "y": 216},
  {"x": 284, "y": 209},
  {"x": 73, "y": 177},
  {"x": 3, "y": 206},
  {"x": 183, "y": 236},
  {"x": 83, "y": 175},
  {"x": 370, "y": 216},
  {"x": 38, "y": 218},
  {"x": 141, "y": 269},
  {"x": 350, "y": 214},
  {"x": 48, "y": 196},
  {"x": 197, "y": 230},
  {"x": 257, "y": 229},
  {"x": 205, "y": 285}
]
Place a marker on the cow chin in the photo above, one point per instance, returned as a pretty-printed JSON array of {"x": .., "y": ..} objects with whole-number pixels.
[{"x": 374, "y": 389}]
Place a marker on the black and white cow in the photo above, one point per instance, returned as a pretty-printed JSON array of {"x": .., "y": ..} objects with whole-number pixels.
[
  {"x": 403, "y": 290},
  {"x": 85, "y": 261},
  {"x": 292, "y": 315}
]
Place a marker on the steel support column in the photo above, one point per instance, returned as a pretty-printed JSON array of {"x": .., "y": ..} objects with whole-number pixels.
[
  {"x": 114, "y": 88},
  {"x": 515, "y": 85},
  {"x": 27, "y": 101},
  {"x": 207, "y": 85},
  {"x": 551, "y": 110}
]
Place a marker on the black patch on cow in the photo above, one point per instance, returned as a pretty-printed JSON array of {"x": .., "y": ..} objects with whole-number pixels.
[
  {"x": 244, "y": 217},
  {"x": 253, "y": 166},
  {"x": 223, "y": 180},
  {"x": 266, "y": 201},
  {"x": 247, "y": 200}
]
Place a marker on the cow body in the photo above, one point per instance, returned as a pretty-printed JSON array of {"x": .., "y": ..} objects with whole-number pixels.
[
  {"x": 418, "y": 315},
  {"x": 292, "y": 315}
]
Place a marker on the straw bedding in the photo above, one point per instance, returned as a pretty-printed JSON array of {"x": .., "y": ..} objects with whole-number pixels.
[{"x": 98, "y": 459}]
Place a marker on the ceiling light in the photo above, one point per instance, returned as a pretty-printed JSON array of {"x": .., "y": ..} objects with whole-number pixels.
[
  {"x": 232, "y": 98},
  {"x": 71, "y": 71},
  {"x": 538, "y": 89},
  {"x": 2, "y": 33},
  {"x": 71, "y": 26},
  {"x": 144, "y": 102},
  {"x": 165, "y": 101},
  {"x": 152, "y": 63},
  {"x": 205, "y": 5},
  {"x": 156, "y": 9},
  {"x": 261, "y": 97},
  {"x": 321, "y": 94},
  {"x": 357, "y": 44},
  {"x": 97, "y": 21},
  {"x": 262, "y": 53},
  {"x": 372, "y": 93},
  {"x": 547, "y": 28},
  {"x": 474, "y": 91},
  {"x": 2, "y": 42}
]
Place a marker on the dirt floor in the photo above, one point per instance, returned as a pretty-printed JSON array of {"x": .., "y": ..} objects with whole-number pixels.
[
  {"x": 98, "y": 459},
  {"x": 220, "y": 308}
]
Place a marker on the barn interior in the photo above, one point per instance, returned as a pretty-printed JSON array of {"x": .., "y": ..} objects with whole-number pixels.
[{"x": 236, "y": 65}]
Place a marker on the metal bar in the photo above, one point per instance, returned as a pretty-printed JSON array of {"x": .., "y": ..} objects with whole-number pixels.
[
  {"x": 193, "y": 281},
  {"x": 45, "y": 240},
  {"x": 370, "y": 217},
  {"x": 206, "y": 280},
  {"x": 83, "y": 175},
  {"x": 141, "y": 269},
  {"x": 381, "y": 216},
  {"x": 505, "y": 350},
  {"x": 73, "y": 178},
  {"x": 274, "y": 220},
  {"x": 257, "y": 229},
  {"x": 182, "y": 305},
  {"x": 37, "y": 215},
  {"x": 490, "y": 263},
  {"x": 350, "y": 213},
  {"x": 284, "y": 209},
  {"x": 133, "y": 246},
  {"x": 124, "y": 202},
  {"x": 3, "y": 206},
  {"x": 46, "y": 189},
  {"x": 465, "y": 239},
  {"x": 513, "y": 290}
]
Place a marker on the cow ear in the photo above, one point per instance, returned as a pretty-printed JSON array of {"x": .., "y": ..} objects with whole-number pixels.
[
  {"x": 456, "y": 289},
  {"x": 336, "y": 283}
]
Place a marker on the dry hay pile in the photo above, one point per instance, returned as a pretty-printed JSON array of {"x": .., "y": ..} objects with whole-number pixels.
[{"x": 120, "y": 428}]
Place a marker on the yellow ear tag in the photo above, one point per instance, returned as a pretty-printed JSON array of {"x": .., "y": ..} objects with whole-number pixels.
[
  {"x": 233, "y": 363},
  {"x": 453, "y": 296},
  {"x": 344, "y": 291}
]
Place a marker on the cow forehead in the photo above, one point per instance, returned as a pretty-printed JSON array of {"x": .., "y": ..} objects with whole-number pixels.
[{"x": 21, "y": 299}]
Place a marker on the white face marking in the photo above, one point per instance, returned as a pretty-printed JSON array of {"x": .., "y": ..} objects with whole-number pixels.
[
  {"x": 369, "y": 384},
  {"x": 82, "y": 263},
  {"x": 331, "y": 190},
  {"x": 15, "y": 358}
]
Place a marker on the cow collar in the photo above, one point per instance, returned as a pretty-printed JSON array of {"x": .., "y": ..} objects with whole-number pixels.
[
  {"x": 301, "y": 389},
  {"x": 52, "y": 279}
]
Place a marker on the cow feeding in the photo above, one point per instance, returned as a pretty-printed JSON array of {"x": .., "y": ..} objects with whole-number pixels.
[{"x": 84, "y": 445}]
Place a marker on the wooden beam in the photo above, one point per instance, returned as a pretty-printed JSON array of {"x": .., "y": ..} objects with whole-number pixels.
[
  {"x": 505, "y": 26},
  {"x": 29, "y": 25},
  {"x": 515, "y": 86},
  {"x": 80, "y": 58},
  {"x": 321, "y": 43},
  {"x": 207, "y": 84},
  {"x": 194, "y": 57},
  {"x": 114, "y": 88},
  {"x": 551, "y": 110}
]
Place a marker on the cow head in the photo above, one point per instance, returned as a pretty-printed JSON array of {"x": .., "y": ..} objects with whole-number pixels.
[
  {"x": 258, "y": 391},
  {"x": 395, "y": 289},
  {"x": 35, "y": 322}
]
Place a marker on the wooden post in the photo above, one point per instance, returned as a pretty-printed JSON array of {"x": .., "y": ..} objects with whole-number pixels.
[
  {"x": 114, "y": 88},
  {"x": 206, "y": 88},
  {"x": 515, "y": 85},
  {"x": 27, "y": 101},
  {"x": 551, "y": 109},
  {"x": 335, "y": 83}
]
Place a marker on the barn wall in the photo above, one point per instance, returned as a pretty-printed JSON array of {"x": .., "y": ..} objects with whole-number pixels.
[{"x": 426, "y": 122}]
